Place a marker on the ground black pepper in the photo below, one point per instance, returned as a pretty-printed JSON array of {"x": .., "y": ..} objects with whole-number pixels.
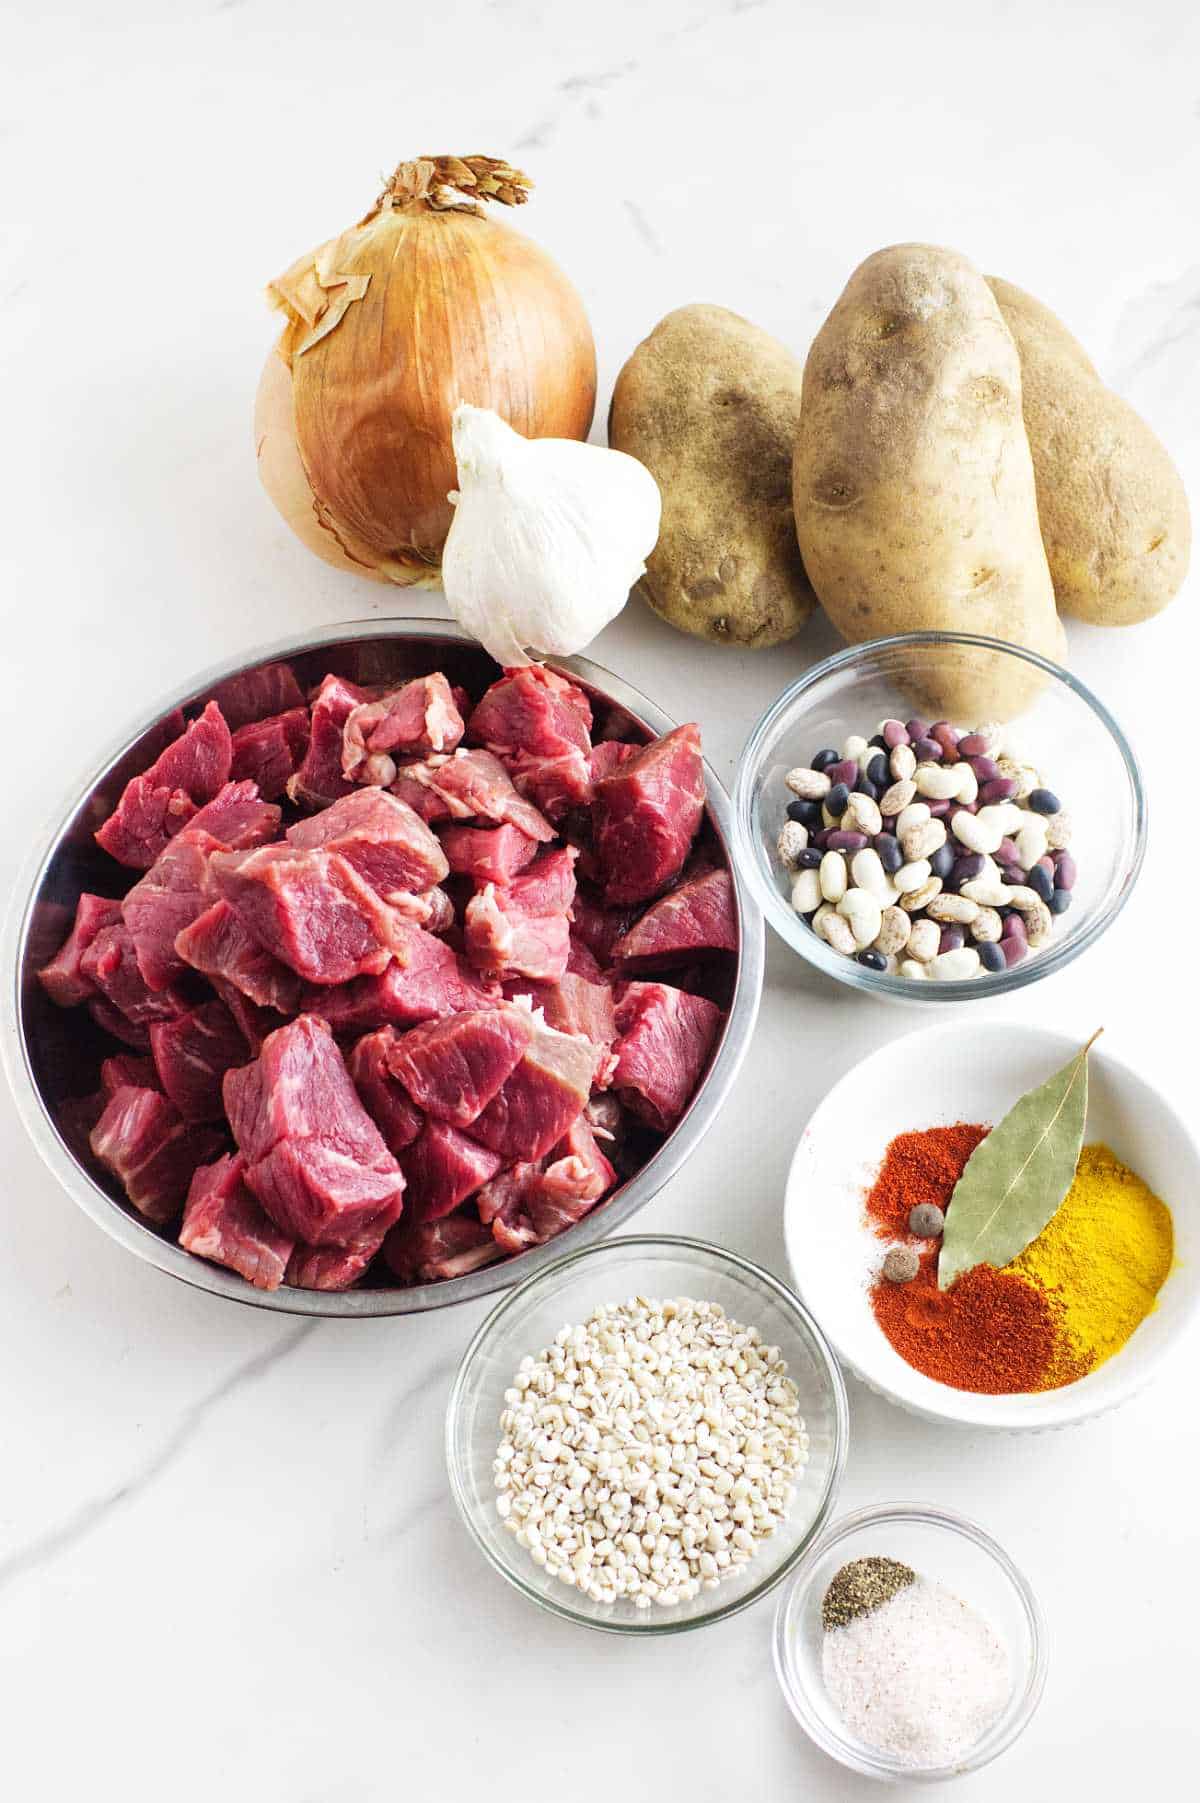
[{"x": 860, "y": 1587}]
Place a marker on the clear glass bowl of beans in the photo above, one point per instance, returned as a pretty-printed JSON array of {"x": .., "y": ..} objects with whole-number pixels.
[
  {"x": 937, "y": 854},
  {"x": 939, "y": 1548},
  {"x": 590, "y": 1463}
]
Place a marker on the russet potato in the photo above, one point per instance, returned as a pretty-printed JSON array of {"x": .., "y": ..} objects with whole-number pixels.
[
  {"x": 913, "y": 484},
  {"x": 1113, "y": 510},
  {"x": 711, "y": 405}
]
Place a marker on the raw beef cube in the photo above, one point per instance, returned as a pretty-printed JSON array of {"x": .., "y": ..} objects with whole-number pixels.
[
  {"x": 452, "y": 1068},
  {"x": 532, "y": 710},
  {"x": 223, "y": 1222},
  {"x": 580, "y": 961},
  {"x": 319, "y": 779},
  {"x": 427, "y": 1251},
  {"x": 427, "y": 980},
  {"x": 472, "y": 784},
  {"x": 111, "y": 1020},
  {"x": 442, "y": 1168},
  {"x": 151, "y": 1150},
  {"x": 323, "y": 1196},
  {"x": 555, "y": 785},
  {"x": 110, "y": 965},
  {"x": 411, "y": 722},
  {"x": 607, "y": 757},
  {"x": 646, "y": 815},
  {"x": 502, "y": 1203},
  {"x": 253, "y": 694},
  {"x": 76, "y": 1118},
  {"x": 269, "y": 752},
  {"x": 192, "y": 1054},
  {"x": 63, "y": 978},
  {"x": 219, "y": 946},
  {"x": 384, "y": 1097},
  {"x": 310, "y": 909},
  {"x": 126, "y": 1070},
  {"x": 664, "y": 1039},
  {"x": 699, "y": 916},
  {"x": 155, "y": 805},
  {"x": 543, "y": 1096},
  {"x": 254, "y": 1023},
  {"x": 576, "y": 1005},
  {"x": 490, "y": 854},
  {"x": 238, "y": 817},
  {"x": 162, "y": 904},
  {"x": 527, "y": 1205},
  {"x": 389, "y": 845},
  {"x": 524, "y": 929},
  {"x": 598, "y": 928},
  {"x": 329, "y": 1267}
]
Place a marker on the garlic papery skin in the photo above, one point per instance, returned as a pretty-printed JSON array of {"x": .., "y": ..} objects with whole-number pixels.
[{"x": 547, "y": 540}]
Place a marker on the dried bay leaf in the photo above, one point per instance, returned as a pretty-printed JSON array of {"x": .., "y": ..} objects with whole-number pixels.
[{"x": 1016, "y": 1178}]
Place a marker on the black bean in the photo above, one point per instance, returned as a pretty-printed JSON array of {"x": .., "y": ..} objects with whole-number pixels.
[
  {"x": 864, "y": 786},
  {"x": 824, "y": 758},
  {"x": 877, "y": 739},
  {"x": 991, "y": 957},
  {"x": 879, "y": 772},
  {"x": 808, "y": 813},
  {"x": 942, "y": 861},
  {"x": 809, "y": 858},
  {"x": 873, "y": 960},
  {"x": 1060, "y": 901},
  {"x": 1041, "y": 883},
  {"x": 1043, "y": 801},
  {"x": 888, "y": 848},
  {"x": 836, "y": 800}
]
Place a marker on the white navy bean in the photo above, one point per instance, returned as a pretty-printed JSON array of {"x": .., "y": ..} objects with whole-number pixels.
[
  {"x": 868, "y": 873},
  {"x": 968, "y": 782},
  {"x": 938, "y": 782},
  {"x": 1031, "y": 841},
  {"x": 951, "y": 967},
  {"x": 915, "y": 814},
  {"x": 911, "y": 876},
  {"x": 912, "y": 970},
  {"x": 976, "y": 833},
  {"x": 903, "y": 762},
  {"x": 864, "y": 914},
  {"x": 988, "y": 891},
  {"x": 834, "y": 880},
  {"x": 806, "y": 891},
  {"x": 1006, "y": 815},
  {"x": 854, "y": 746}
]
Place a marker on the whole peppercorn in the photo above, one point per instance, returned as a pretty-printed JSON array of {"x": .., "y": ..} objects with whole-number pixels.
[
  {"x": 927, "y": 1221},
  {"x": 901, "y": 1264}
]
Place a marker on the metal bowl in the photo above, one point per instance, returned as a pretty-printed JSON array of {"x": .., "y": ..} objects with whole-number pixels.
[{"x": 52, "y": 1054}]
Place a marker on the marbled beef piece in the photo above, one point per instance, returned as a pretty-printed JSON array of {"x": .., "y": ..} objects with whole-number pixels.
[
  {"x": 222, "y": 949},
  {"x": 255, "y": 694},
  {"x": 110, "y": 965},
  {"x": 598, "y": 928},
  {"x": 426, "y": 980},
  {"x": 469, "y": 785},
  {"x": 160, "y": 802},
  {"x": 162, "y": 904},
  {"x": 223, "y": 1222},
  {"x": 554, "y": 785},
  {"x": 575, "y": 1004},
  {"x": 309, "y": 909},
  {"x": 238, "y": 817},
  {"x": 534, "y": 710},
  {"x": 544, "y": 1095},
  {"x": 412, "y": 722},
  {"x": 191, "y": 1055},
  {"x": 529, "y": 1204},
  {"x": 269, "y": 752},
  {"x": 319, "y": 779},
  {"x": 489, "y": 854},
  {"x": 699, "y": 916},
  {"x": 664, "y": 1039},
  {"x": 524, "y": 928},
  {"x": 646, "y": 815},
  {"x": 453, "y": 1067},
  {"x": 315, "y": 1159},
  {"x": 330, "y": 1267},
  {"x": 151, "y": 1150},
  {"x": 442, "y": 1168},
  {"x": 127, "y": 1070},
  {"x": 389, "y": 845},
  {"x": 431, "y": 1251},
  {"x": 383, "y": 1095},
  {"x": 63, "y": 978}
]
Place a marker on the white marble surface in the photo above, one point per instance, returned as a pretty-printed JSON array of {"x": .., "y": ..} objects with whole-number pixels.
[{"x": 227, "y": 1560}]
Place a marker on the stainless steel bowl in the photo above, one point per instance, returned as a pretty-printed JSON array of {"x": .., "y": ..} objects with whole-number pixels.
[{"x": 51, "y": 1053}]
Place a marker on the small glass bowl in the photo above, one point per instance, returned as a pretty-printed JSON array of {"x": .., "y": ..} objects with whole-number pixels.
[
  {"x": 1065, "y": 732},
  {"x": 567, "y": 1293},
  {"x": 946, "y": 1549}
]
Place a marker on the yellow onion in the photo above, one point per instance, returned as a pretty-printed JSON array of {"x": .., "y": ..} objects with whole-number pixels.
[{"x": 425, "y": 304}]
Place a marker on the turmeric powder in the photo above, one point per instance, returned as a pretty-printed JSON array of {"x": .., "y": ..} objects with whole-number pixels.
[{"x": 1102, "y": 1258}]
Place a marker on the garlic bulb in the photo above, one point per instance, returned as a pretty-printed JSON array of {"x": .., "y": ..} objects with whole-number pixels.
[{"x": 547, "y": 540}]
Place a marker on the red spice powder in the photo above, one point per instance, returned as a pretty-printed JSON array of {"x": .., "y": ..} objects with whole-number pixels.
[{"x": 991, "y": 1332}]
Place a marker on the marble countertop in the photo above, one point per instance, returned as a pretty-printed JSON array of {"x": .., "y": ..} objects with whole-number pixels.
[{"x": 228, "y": 1562}]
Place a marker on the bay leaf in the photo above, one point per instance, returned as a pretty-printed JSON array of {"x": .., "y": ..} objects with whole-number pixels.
[{"x": 1016, "y": 1178}]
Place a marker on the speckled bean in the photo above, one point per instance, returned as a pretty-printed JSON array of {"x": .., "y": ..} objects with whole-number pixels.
[
  {"x": 834, "y": 878},
  {"x": 1058, "y": 831},
  {"x": 1039, "y": 922},
  {"x": 862, "y": 816},
  {"x": 959, "y": 909},
  {"x": 792, "y": 840},
  {"x": 809, "y": 785},
  {"x": 915, "y": 814},
  {"x": 916, "y": 899},
  {"x": 986, "y": 926},
  {"x": 835, "y": 930},
  {"x": 921, "y": 841},
  {"x": 1023, "y": 775},
  {"x": 895, "y": 930},
  {"x": 923, "y": 940},
  {"x": 897, "y": 797},
  {"x": 903, "y": 763}
]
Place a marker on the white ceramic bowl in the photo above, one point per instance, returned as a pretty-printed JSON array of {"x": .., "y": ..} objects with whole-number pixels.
[{"x": 975, "y": 1071}]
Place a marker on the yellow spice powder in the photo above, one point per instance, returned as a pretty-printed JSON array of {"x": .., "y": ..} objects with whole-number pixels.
[{"x": 1103, "y": 1258}]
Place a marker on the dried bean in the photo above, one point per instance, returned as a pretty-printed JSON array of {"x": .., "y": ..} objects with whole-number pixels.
[
  {"x": 835, "y": 931},
  {"x": 912, "y": 970},
  {"x": 923, "y": 940},
  {"x": 915, "y": 814},
  {"x": 792, "y": 840},
  {"x": 878, "y": 770},
  {"x": 824, "y": 758},
  {"x": 967, "y": 868},
  {"x": 975, "y": 832},
  {"x": 1014, "y": 928},
  {"x": 809, "y": 858},
  {"x": 986, "y": 927},
  {"x": 894, "y": 732},
  {"x": 809, "y": 785},
  {"x": 991, "y": 956},
  {"x": 837, "y": 800},
  {"x": 807, "y": 813},
  {"x": 1013, "y": 950},
  {"x": 1060, "y": 901},
  {"x": 912, "y": 876},
  {"x": 1001, "y": 789},
  {"x": 937, "y": 782},
  {"x": 927, "y": 751},
  {"x": 968, "y": 787},
  {"x": 844, "y": 771},
  {"x": 873, "y": 960},
  {"x": 834, "y": 879},
  {"x": 864, "y": 786},
  {"x": 1064, "y": 870},
  {"x": 973, "y": 745},
  {"x": 862, "y": 816},
  {"x": 1058, "y": 831},
  {"x": 916, "y": 729},
  {"x": 897, "y": 796},
  {"x": 916, "y": 899},
  {"x": 889, "y": 853},
  {"x": 942, "y": 862},
  {"x": 947, "y": 737},
  {"x": 950, "y": 967},
  {"x": 903, "y": 763},
  {"x": 1044, "y": 801},
  {"x": 985, "y": 768},
  {"x": 863, "y": 911},
  {"x": 806, "y": 892},
  {"x": 854, "y": 747},
  {"x": 922, "y": 841},
  {"x": 953, "y": 908},
  {"x": 867, "y": 871},
  {"x": 1039, "y": 924},
  {"x": 1041, "y": 884},
  {"x": 951, "y": 939},
  {"x": 987, "y": 890},
  {"x": 847, "y": 841},
  {"x": 895, "y": 931}
]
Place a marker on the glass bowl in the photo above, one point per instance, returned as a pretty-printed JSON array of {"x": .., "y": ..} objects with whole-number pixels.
[
  {"x": 940, "y": 1546},
  {"x": 566, "y": 1293},
  {"x": 1065, "y": 732}
]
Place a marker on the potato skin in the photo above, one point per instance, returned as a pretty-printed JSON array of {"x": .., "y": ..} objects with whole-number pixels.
[
  {"x": 913, "y": 483},
  {"x": 711, "y": 404},
  {"x": 1114, "y": 514}
]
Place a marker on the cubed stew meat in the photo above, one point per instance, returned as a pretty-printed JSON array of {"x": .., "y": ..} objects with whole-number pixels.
[{"x": 386, "y": 979}]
